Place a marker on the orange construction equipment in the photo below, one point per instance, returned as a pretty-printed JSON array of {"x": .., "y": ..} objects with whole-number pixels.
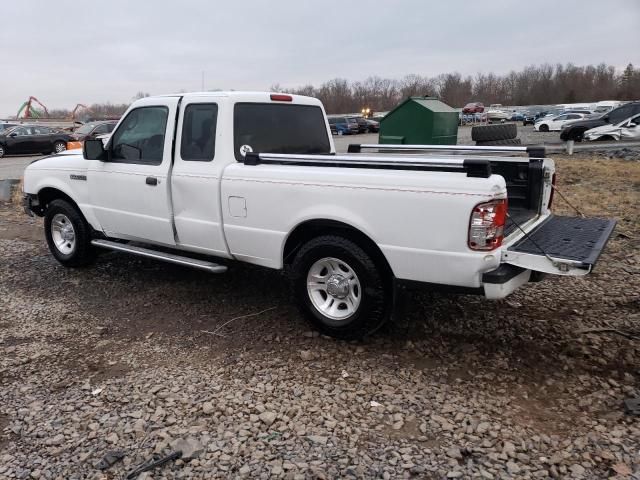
[
  {"x": 78, "y": 107},
  {"x": 31, "y": 112}
]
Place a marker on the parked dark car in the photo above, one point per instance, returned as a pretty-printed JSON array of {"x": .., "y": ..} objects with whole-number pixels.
[
  {"x": 4, "y": 126},
  {"x": 363, "y": 125},
  {"x": 25, "y": 139},
  {"x": 344, "y": 125},
  {"x": 517, "y": 116},
  {"x": 575, "y": 130},
  {"x": 529, "y": 119},
  {"x": 374, "y": 127},
  {"x": 475, "y": 107},
  {"x": 93, "y": 129}
]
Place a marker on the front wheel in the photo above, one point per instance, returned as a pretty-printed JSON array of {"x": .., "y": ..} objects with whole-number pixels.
[
  {"x": 68, "y": 234},
  {"x": 544, "y": 128},
  {"x": 59, "y": 147},
  {"x": 2, "y": 152},
  {"x": 340, "y": 288}
]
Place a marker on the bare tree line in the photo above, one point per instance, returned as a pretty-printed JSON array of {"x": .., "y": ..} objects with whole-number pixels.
[{"x": 534, "y": 85}]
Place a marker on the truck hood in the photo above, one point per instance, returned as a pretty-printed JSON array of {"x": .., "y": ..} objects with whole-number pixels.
[{"x": 69, "y": 159}]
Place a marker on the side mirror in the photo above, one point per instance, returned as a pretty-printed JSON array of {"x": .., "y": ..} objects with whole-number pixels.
[
  {"x": 94, "y": 150},
  {"x": 632, "y": 125},
  {"x": 13, "y": 134}
]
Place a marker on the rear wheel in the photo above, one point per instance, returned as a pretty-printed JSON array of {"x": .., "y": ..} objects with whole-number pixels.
[
  {"x": 339, "y": 287},
  {"x": 544, "y": 127},
  {"x": 1, "y": 151},
  {"x": 59, "y": 147},
  {"x": 68, "y": 234}
]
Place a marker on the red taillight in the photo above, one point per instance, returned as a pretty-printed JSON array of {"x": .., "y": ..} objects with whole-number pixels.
[
  {"x": 278, "y": 97},
  {"x": 486, "y": 227},
  {"x": 553, "y": 189}
]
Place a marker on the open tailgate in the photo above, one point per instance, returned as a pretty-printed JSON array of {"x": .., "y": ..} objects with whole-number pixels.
[{"x": 561, "y": 245}]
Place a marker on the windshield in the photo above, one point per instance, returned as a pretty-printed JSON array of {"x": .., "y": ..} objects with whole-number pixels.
[{"x": 85, "y": 129}]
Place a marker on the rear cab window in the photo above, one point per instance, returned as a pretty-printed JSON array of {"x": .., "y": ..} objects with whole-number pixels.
[{"x": 275, "y": 128}]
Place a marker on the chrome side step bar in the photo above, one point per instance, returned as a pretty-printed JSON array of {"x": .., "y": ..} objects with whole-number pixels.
[{"x": 165, "y": 257}]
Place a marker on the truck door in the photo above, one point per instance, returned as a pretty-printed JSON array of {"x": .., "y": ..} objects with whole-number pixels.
[
  {"x": 130, "y": 193},
  {"x": 20, "y": 140},
  {"x": 195, "y": 179}
]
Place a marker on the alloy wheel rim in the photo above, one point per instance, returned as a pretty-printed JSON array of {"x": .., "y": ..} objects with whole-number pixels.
[
  {"x": 63, "y": 234},
  {"x": 59, "y": 147},
  {"x": 334, "y": 288}
]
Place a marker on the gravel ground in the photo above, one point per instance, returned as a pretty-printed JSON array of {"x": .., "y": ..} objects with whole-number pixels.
[{"x": 143, "y": 357}]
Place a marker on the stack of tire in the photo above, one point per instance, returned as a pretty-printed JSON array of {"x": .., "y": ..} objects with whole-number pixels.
[{"x": 504, "y": 134}]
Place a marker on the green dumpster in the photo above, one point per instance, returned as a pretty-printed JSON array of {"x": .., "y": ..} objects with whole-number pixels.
[{"x": 420, "y": 121}]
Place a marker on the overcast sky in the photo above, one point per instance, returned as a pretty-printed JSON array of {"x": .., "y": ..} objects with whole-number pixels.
[{"x": 68, "y": 52}]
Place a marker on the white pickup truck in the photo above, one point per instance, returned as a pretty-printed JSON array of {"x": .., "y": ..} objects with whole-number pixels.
[{"x": 203, "y": 178}]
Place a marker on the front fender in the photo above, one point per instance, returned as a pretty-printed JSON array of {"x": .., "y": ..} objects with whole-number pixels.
[{"x": 69, "y": 180}]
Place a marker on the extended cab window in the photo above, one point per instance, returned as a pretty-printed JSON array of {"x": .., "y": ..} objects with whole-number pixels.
[
  {"x": 272, "y": 128},
  {"x": 199, "y": 132},
  {"x": 140, "y": 137}
]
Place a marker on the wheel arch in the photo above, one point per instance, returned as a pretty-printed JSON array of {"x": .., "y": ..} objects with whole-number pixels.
[
  {"x": 47, "y": 195},
  {"x": 312, "y": 228}
]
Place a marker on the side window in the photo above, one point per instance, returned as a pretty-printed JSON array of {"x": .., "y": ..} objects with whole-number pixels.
[
  {"x": 20, "y": 132},
  {"x": 41, "y": 130},
  {"x": 619, "y": 114},
  {"x": 110, "y": 127},
  {"x": 140, "y": 137},
  {"x": 199, "y": 132}
]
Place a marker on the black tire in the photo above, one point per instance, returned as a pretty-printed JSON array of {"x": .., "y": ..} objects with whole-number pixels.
[
  {"x": 489, "y": 133},
  {"x": 511, "y": 141},
  {"x": 59, "y": 146},
  {"x": 82, "y": 252},
  {"x": 543, "y": 128},
  {"x": 375, "y": 287},
  {"x": 2, "y": 151}
]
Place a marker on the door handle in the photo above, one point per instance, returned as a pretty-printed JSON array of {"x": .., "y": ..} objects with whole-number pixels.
[{"x": 151, "y": 181}]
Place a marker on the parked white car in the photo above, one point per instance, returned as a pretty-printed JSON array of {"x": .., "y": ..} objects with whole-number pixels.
[
  {"x": 628, "y": 129},
  {"x": 553, "y": 124},
  {"x": 205, "y": 179}
]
